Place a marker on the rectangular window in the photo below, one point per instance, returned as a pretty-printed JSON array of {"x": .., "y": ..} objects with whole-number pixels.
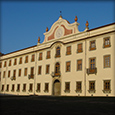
[
  {"x": 19, "y": 73},
  {"x": 106, "y": 61},
  {"x": 106, "y": 85},
  {"x": 7, "y": 88},
  {"x": 38, "y": 87},
  {"x": 68, "y": 66},
  {"x": 2, "y": 88},
  {"x": 5, "y": 64},
  {"x": 33, "y": 58},
  {"x": 78, "y": 86},
  {"x": 47, "y": 69},
  {"x": 67, "y": 87},
  {"x": 0, "y": 64},
  {"x": 106, "y": 42},
  {"x": 14, "y": 73},
  {"x": 79, "y": 65},
  {"x": 31, "y": 88},
  {"x": 92, "y": 64},
  {"x": 20, "y": 61},
  {"x": 91, "y": 85},
  {"x": 25, "y": 72},
  {"x": 48, "y": 55},
  {"x": 15, "y": 61},
  {"x": 39, "y": 70},
  {"x": 18, "y": 87},
  {"x": 9, "y": 73},
  {"x": 26, "y": 59},
  {"x": 4, "y": 74},
  {"x": 92, "y": 45},
  {"x": 79, "y": 48},
  {"x": 40, "y": 56},
  {"x": 24, "y": 87},
  {"x": 12, "y": 87},
  {"x": 9, "y": 62},
  {"x": 68, "y": 50},
  {"x": 46, "y": 87}
]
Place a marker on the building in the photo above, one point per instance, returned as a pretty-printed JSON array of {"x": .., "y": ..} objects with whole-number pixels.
[{"x": 67, "y": 63}]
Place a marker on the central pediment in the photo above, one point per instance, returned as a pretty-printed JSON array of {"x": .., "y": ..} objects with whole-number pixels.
[{"x": 60, "y": 29}]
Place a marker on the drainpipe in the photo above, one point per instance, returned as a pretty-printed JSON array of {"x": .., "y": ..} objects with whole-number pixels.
[{"x": 85, "y": 70}]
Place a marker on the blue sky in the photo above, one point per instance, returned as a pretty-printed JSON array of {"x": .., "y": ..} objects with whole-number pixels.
[{"x": 23, "y": 21}]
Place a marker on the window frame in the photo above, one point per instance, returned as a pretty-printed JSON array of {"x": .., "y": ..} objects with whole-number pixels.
[
  {"x": 92, "y": 48},
  {"x": 69, "y": 66},
  {"x": 107, "y": 66},
  {"x": 104, "y": 43},
  {"x": 79, "y": 69},
  {"x": 79, "y": 50}
]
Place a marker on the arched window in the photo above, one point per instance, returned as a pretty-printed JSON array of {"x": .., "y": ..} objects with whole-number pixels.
[
  {"x": 57, "y": 52},
  {"x": 57, "y": 68}
]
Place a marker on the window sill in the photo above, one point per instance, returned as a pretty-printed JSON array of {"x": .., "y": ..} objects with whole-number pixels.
[
  {"x": 91, "y": 91},
  {"x": 67, "y": 91},
  {"x": 78, "y": 91},
  {"x": 106, "y": 91}
]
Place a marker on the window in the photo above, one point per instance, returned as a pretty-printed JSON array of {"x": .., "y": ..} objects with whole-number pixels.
[
  {"x": 25, "y": 72},
  {"x": 91, "y": 85},
  {"x": 5, "y": 64},
  {"x": 0, "y": 76},
  {"x": 46, "y": 87},
  {"x": 38, "y": 87},
  {"x": 31, "y": 73},
  {"x": 106, "y": 42},
  {"x": 2, "y": 88},
  {"x": 47, "y": 69},
  {"x": 12, "y": 87},
  {"x": 31, "y": 88},
  {"x": 39, "y": 70},
  {"x": 57, "y": 52},
  {"x": 79, "y": 65},
  {"x": 68, "y": 66},
  {"x": 68, "y": 50},
  {"x": 57, "y": 69},
  {"x": 79, "y": 48},
  {"x": 26, "y": 59},
  {"x": 19, "y": 73},
  {"x": 92, "y": 64},
  {"x": 4, "y": 73},
  {"x": 9, "y": 73},
  {"x": 9, "y": 62},
  {"x": 106, "y": 85},
  {"x": 24, "y": 87},
  {"x": 20, "y": 61},
  {"x": 92, "y": 45},
  {"x": 7, "y": 88},
  {"x": 67, "y": 87},
  {"x": 40, "y": 56},
  {"x": 48, "y": 55},
  {"x": 0, "y": 64},
  {"x": 15, "y": 61},
  {"x": 33, "y": 58},
  {"x": 14, "y": 73},
  {"x": 18, "y": 87},
  {"x": 78, "y": 86},
  {"x": 106, "y": 61}
]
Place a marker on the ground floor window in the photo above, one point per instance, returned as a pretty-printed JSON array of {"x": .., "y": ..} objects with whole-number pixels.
[
  {"x": 46, "y": 87},
  {"x": 91, "y": 86},
  {"x": 7, "y": 88},
  {"x": 38, "y": 87},
  {"x": 2, "y": 88},
  {"x": 78, "y": 86},
  {"x": 31, "y": 88},
  {"x": 18, "y": 87},
  {"x": 13, "y": 87},
  {"x": 67, "y": 87},
  {"x": 24, "y": 87}
]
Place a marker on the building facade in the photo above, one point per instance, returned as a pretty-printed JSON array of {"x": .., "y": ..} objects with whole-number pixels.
[{"x": 67, "y": 63}]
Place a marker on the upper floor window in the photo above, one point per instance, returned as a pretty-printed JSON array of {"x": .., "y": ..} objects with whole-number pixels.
[
  {"x": 79, "y": 64},
  {"x": 39, "y": 70},
  {"x": 106, "y": 61},
  {"x": 79, "y": 48},
  {"x": 106, "y": 42},
  {"x": 25, "y": 72},
  {"x": 57, "y": 52},
  {"x": 33, "y": 58},
  {"x": 48, "y": 55},
  {"x": 68, "y": 50},
  {"x": 20, "y": 61},
  {"x": 47, "y": 69},
  {"x": 14, "y": 73},
  {"x": 40, "y": 56},
  {"x": 92, "y": 45},
  {"x": 15, "y": 61},
  {"x": 92, "y": 63},
  {"x": 68, "y": 66},
  {"x": 0, "y": 64},
  {"x": 19, "y": 74},
  {"x": 9, "y": 73},
  {"x": 57, "y": 68},
  {"x": 9, "y": 62},
  {"x": 4, "y": 74},
  {"x": 32, "y": 71},
  {"x": 5, "y": 64},
  {"x": 26, "y": 59}
]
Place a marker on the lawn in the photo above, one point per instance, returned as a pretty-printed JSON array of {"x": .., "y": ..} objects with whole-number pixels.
[{"x": 39, "y": 105}]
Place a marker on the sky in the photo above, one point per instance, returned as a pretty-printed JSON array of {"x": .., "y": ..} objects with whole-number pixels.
[{"x": 22, "y": 22}]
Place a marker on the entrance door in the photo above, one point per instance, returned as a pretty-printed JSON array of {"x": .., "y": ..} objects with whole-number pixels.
[{"x": 56, "y": 88}]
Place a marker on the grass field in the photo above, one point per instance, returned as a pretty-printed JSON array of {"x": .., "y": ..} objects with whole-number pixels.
[{"x": 39, "y": 105}]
